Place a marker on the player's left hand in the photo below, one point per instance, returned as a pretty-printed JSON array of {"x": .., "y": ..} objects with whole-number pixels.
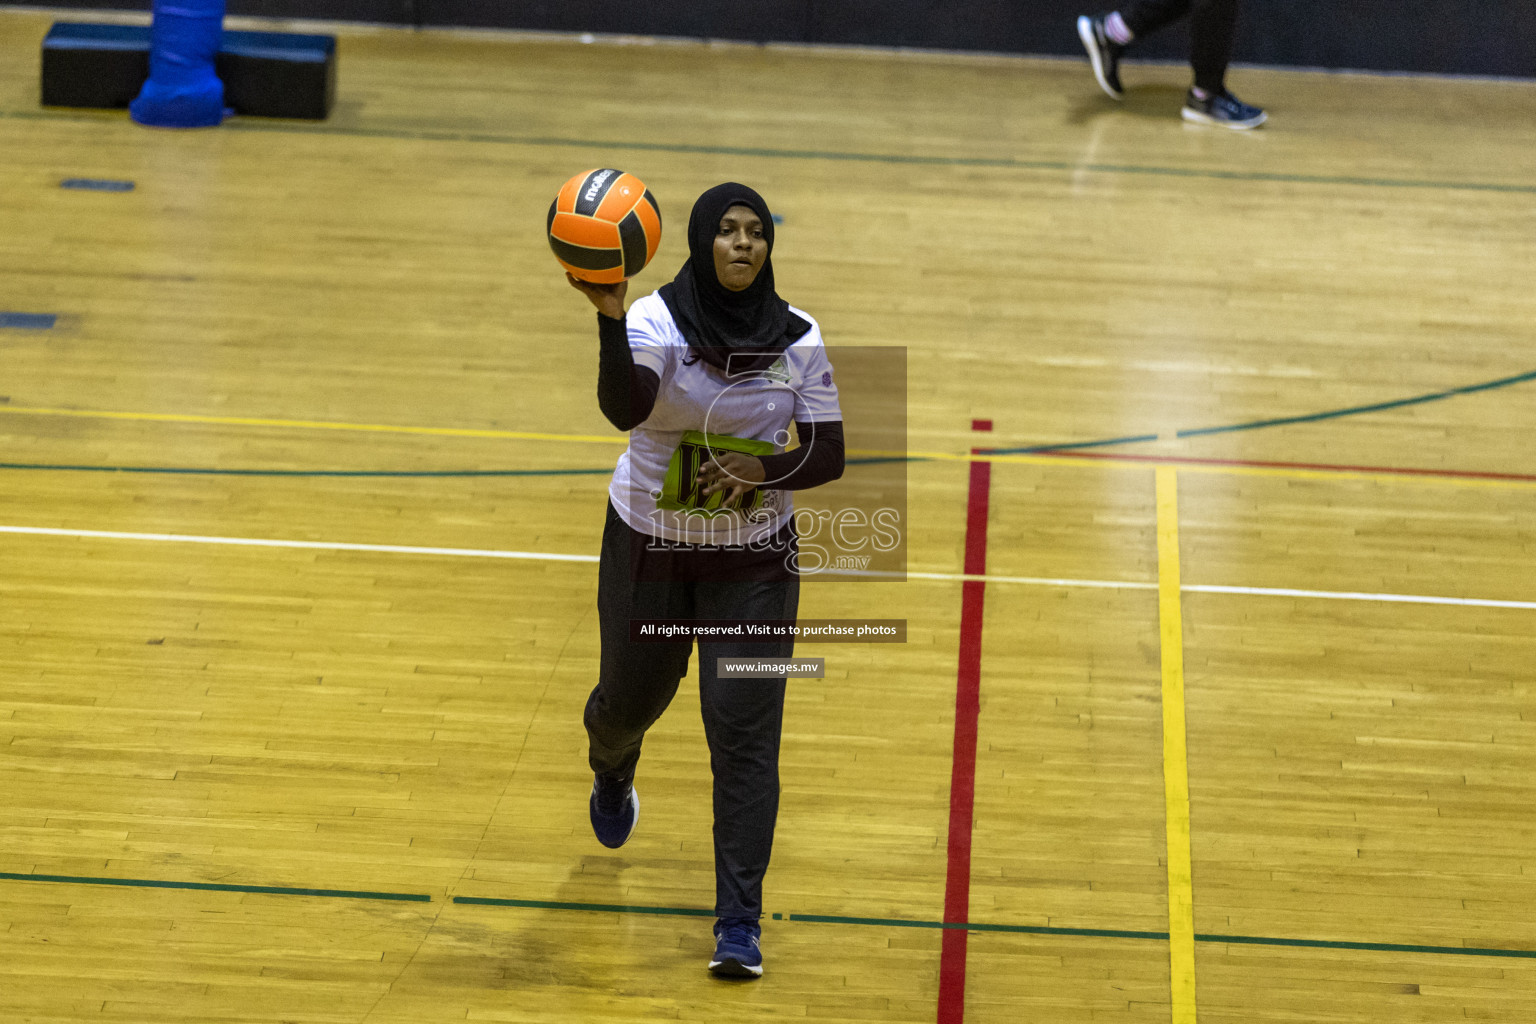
[{"x": 733, "y": 473}]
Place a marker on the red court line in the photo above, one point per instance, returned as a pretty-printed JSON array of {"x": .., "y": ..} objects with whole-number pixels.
[
  {"x": 1175, "y": 460},
  {"x": 962, "y": 779}
]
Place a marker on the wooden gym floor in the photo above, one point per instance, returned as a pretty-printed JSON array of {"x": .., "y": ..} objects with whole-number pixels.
[{"x": 1257, "y": 731}]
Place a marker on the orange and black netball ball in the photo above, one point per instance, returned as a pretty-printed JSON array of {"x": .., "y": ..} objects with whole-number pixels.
[{"x": 604, "y": 226}]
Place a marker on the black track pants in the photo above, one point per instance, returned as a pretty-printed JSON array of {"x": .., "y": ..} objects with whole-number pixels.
[
  {"x": 742, "y": 717},
  {"x": 1211, "y": 27}
]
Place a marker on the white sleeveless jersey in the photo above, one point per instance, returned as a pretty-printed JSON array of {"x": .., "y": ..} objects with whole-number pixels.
[{"x": 694, "y": 396}]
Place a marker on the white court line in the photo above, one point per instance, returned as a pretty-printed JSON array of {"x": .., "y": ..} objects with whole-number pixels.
[
  {"x": 1344, "y": 595},
  {"x": 946, "y": 577},
  {"x": 313, "y": 545}
]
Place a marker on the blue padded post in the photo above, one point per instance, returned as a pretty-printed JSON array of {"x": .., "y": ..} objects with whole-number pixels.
[{"x": 182, "y": 90}]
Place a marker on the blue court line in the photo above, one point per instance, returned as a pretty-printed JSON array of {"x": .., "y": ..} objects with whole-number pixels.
[
  {"x": 1017, "y": 929},
  {"x": 1004, "y": 163},
  {"x": 268, "y": 890},
  {"x": 29, "y": 321},
  {"x": 97, "y": 184},
  {"x": 1354, "y": 410}
]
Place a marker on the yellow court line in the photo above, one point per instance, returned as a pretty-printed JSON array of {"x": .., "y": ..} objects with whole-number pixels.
[
  {"x": 372, "y": 428},
  {"x": 1019, "y": 459},
  {"x": 1181, "y": 896}
]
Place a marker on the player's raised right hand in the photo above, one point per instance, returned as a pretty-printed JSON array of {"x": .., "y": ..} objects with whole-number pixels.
[{"x": 608, "y": 298}]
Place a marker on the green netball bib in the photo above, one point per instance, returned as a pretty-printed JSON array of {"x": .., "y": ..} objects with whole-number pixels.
[{"x": 681, "y": 491}]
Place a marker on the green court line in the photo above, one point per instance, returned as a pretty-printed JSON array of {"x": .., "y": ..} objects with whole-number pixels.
[
  {"x": 195, "y": 471},
  {"x": 1332, "y": 414},
  {"x": 1502, "y": 382},
  {"x": 199, "y": 471},
  {"x": 268, "y": 890},
  {"x": 1018, "y": 929},
  {"x": 878, "y": 922},
  {"x": 1004, "y": 163},
  {"x": 1046, "y": 449},
  {"x": 607, "y": 908}
]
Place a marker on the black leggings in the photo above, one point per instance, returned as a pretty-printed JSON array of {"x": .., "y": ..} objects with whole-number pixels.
[
  {"x": 1211, "y": 27},
  {"x": 742, "y": 717}
]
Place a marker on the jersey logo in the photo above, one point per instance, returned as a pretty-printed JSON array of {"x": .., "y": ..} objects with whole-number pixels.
[{"x": 777, "y": 372}]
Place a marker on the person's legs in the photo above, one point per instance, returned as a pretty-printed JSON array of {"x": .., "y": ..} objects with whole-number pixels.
[
  {"x": 1143, "y": 17},
  {"x": 636, "y": 680},
  {"x": 742, "y": 722},
  {"x": 1211, "y": 28},
  {"x": 1212, "y": 24},
  {"x": 1105, "y": 37}
]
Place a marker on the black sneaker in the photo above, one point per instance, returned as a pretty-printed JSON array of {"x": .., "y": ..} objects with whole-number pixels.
[
  {"x": 614, "y": 809},
  {"x": 1104, "y": 52},
  {"x": 1223, "y": 109},
  {"x": 737, "y": 953}
]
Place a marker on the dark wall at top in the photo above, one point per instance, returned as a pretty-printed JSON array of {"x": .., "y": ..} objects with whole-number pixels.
[{"x": 1478, "y": 37}]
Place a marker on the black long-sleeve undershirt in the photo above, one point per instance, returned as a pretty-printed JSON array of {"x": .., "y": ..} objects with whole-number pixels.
[
  {"x": 626, "y": 394},
  {"x": 818, "y": 460}
]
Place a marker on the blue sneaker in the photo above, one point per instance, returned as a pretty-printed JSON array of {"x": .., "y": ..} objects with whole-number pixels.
[
  {"x": 1223, "y": 110},
  {"x": 737, "y": 953},
  {"x": 615, "y": 809}
]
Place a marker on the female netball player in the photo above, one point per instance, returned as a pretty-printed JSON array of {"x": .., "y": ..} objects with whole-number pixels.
[{"x": 706, "y": 374}]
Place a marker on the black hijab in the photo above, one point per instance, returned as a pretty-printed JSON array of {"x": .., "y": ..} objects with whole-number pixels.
[{"x": 754, "y": 323}]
